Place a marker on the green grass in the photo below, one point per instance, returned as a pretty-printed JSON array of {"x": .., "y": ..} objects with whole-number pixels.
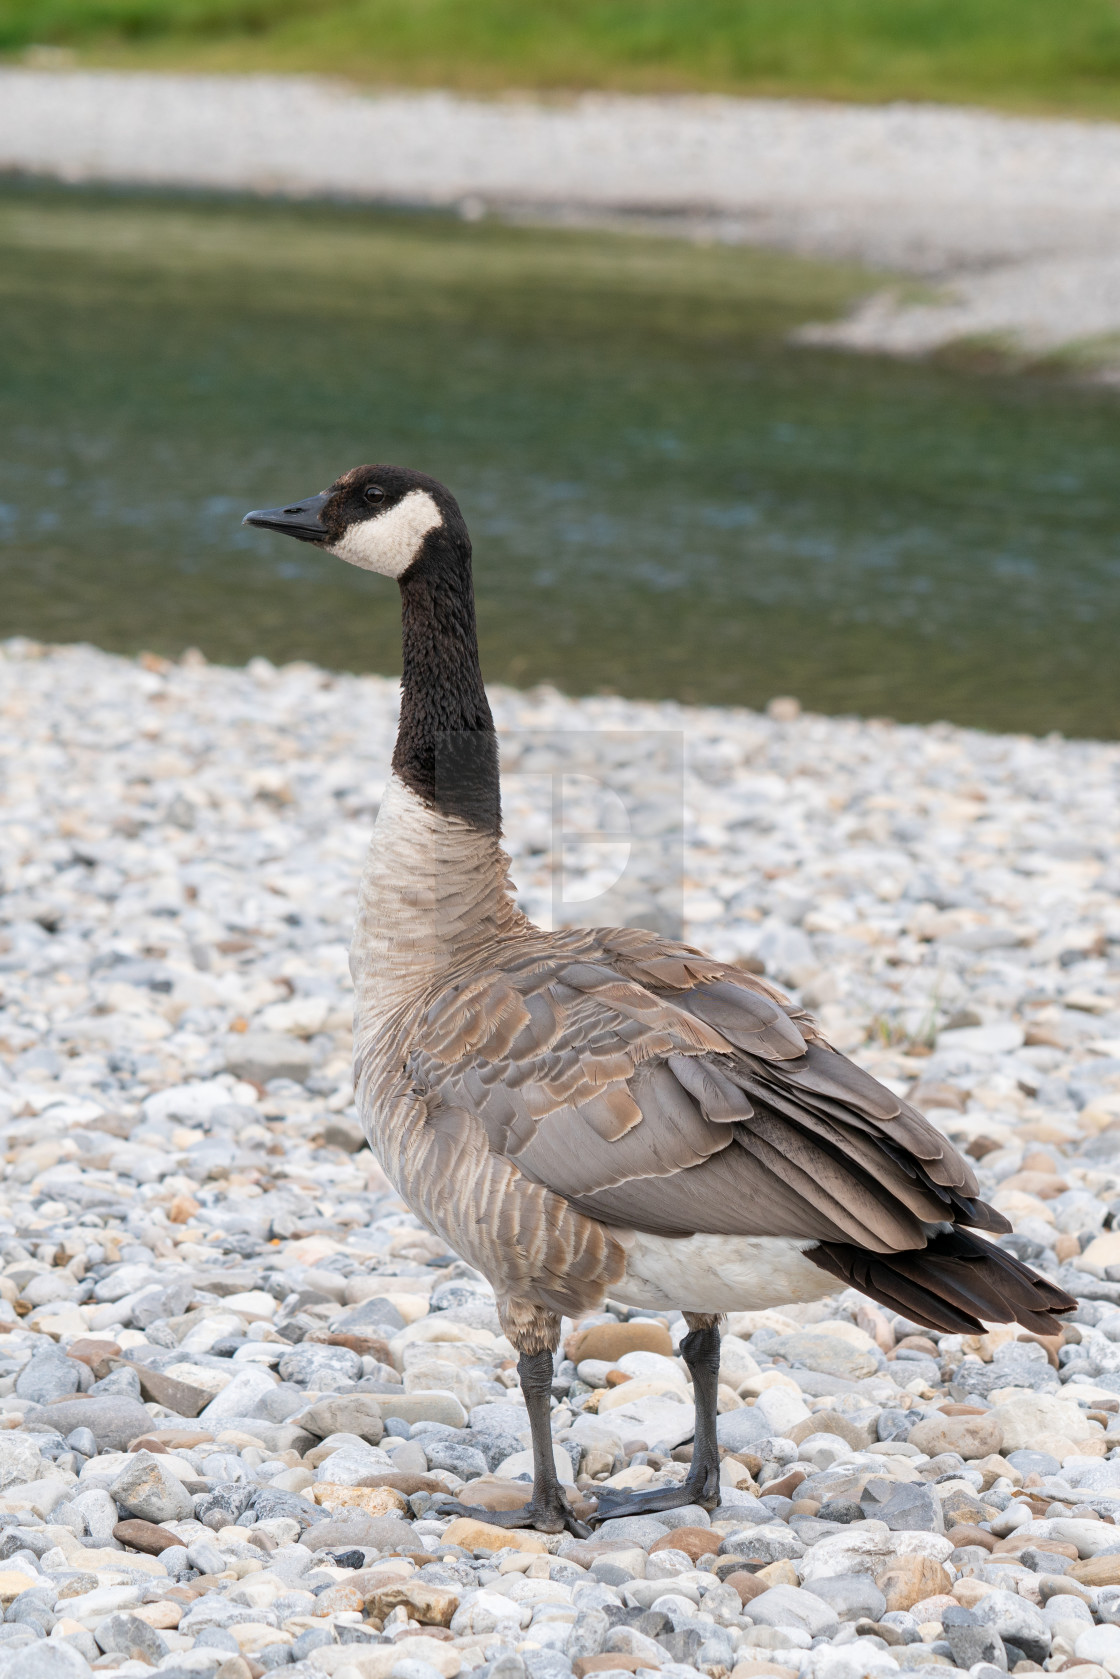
[{"x": 1032, "y": 54}]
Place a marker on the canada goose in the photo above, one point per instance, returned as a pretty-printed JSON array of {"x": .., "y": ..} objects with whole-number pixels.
[{"x": 603, "y": 1112}]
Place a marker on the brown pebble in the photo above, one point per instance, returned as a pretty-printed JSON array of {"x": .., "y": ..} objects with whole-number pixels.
[
  {"x": 911, "y": 1578},
  {"x": 920, "y": 1344},
  {"x": 786, "y": 1485},
  {"x": 369, "y": 1346},
  {"x": 747, "y": 1585},
  {"x": 1097, "y": 1571},
  {"x": 781, "y": 1573},
  {"x": 970, "y": 1436},
  {"x": 96, "y": 1354},
  {"x": 693, "y": 1541},
  {"x": 148, "y": 1537},
  {"x": 805, "y": 1507},
  {"x": 965, "y": 1534},
  {"x": 336, "y": 1598},
  {"x": 490, "y": 1493},
  {"x": 401, "y": 1481},
  {"x": 610, "y": 1341}
]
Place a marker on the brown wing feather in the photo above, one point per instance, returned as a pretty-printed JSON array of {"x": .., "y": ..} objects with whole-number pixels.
[{"x": 657, "y": 1088}]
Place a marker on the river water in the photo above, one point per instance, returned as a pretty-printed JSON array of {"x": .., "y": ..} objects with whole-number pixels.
[{"x": 667, "y": 497}]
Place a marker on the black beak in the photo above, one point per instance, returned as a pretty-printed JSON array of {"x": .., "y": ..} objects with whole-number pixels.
[{"x": 301, "y": 520}]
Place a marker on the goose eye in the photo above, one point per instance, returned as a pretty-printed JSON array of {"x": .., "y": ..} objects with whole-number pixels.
[{"x": 373, "y": 493}]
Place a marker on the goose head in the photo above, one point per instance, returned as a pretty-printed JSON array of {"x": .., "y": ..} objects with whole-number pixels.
[{"x": 387, "y": 519}]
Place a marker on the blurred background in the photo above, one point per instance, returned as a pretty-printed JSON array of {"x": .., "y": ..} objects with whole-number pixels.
[{"x": 696, "y": 462}]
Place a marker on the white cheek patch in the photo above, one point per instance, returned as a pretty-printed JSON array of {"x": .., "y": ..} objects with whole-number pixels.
[{"x": 391, "y": 541}]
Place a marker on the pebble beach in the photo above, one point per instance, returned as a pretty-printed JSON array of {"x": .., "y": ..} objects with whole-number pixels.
[{"x": 238, "y": 1379}]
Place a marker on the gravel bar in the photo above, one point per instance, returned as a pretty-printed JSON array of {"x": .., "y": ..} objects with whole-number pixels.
[
  {"x": 1017, "y": 215},
  {"x": 238, "y": 1379}
]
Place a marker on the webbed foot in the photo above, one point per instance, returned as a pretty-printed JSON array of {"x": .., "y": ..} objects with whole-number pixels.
[
  {"x": 614, "y": 1502},
  {"x": 551, "y": 1516}
]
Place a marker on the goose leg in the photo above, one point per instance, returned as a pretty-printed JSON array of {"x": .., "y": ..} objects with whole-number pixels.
[
  {"x": 700, "y": 1351},
  {"x": 548, "y": 1508}
]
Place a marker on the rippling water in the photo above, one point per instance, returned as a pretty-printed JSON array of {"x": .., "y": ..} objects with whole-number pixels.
[{"x": 666, "y": 497}]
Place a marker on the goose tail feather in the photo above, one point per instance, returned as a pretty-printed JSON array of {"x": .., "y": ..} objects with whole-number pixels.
[{"x": 956, "y": 1283}]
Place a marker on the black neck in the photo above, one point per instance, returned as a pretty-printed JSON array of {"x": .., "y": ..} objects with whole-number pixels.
[{"x": 446, "y": 748}]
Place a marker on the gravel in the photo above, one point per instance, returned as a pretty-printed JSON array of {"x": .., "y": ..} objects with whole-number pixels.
[
  {"x": 1016, "y": 216},
  {"x": 179, "y": 847}
]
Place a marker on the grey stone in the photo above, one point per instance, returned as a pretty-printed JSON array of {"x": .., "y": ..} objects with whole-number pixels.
[
  {"x": 43, "y": 1659},
  {"x": 434, "y": 1405},
  {"x": 495, "y": 1448},
  {"x": 218, "y": 1638},
  {"x": 775, "y": 1542},
  {"x": 347, "y": 1413},
  {"x": 47, "y": 1375},
  {"x": 685, "y": 1515},
  {"x": 313, "y": 1639},
  {"x": 127, "y": 1635},
  {"x": 1016, "y": 1364},
  {"x": 976, "y": 1644},
  {"x": 588, "y": 1633},
  {"x": 894, "y": 1425},
  {"x": 224, "y": 1503},
  {"x": 350, "y": 1465},
  {"x": 546, "y": 1664},
  {"x": 642, "y": 1530},
  {"x": 115, "y": 1420},
  {"x": 273, "y": 1655},
  {"x": 99, "y": 1513},
  {"x": 741, "y": 1430},
  {"x": 246, "y": 1390},
  {"x": 793, "y": 1606},
  {"x": 1034, "y": 1463},
  {"x": 82, "y": 1440},
  {"x": 911, "y": 1507},
  {"x": 383, "y": 1532},
  {"x": 145, "y": 1489},
  {"x": 204, "y": 1555},
  {"x": 21, "y": 1538},
  {"x": 122, "y": 1380},
  {"x": 1016, "y": 1621},
  {"x": 261, "y": 1056},
  {"x": 370, "y": 1315},
  {"x": 280, "y": 1403},
  {"x": 499, "y": 1417},
  {"x": 463, "y": 1461},
  {"x": 170, "y": 1302},
  {"x": 828, "y": 1354},
  {"x": 852, "y": 1596},
  {"x": 508, "y": 1665},
  {"x": 271, "y": 1502},
  {"x": 316, "y": 1363},
  {"x": 19, "y": 1458},
  {"x": 343, "y": 1133},
  {"x": 35, "y": 1608},
  {"x": 715, "y": 1650}
]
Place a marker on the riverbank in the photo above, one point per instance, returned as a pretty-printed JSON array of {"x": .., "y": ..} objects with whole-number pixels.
[{"x": 1013, "y": 219}]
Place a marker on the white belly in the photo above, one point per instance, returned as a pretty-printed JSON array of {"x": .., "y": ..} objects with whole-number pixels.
[{"x": 719, "y": 1273}]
